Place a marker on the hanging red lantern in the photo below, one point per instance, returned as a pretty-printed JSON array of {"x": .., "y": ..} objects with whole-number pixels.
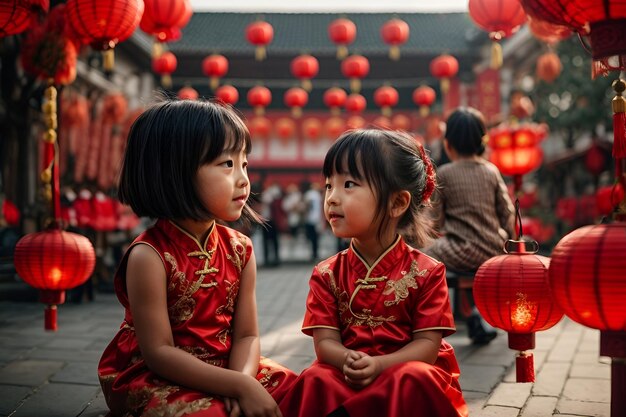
[
  {"x": 259, "y": 98},
  {"x": 355, "y": 122},
  {"x": 355, "y": 67},
  {"x": 260, "y": 127},
  {"x": 312, "y": 128},
  {"x": 305, "y": 67},
  {"x": 382, "y": 122},
  {"x": 334, "y": 99},
  {"x": 424, "y": 97},
  {"x": 401, "y": 122},
  {"x": 215, "y": 66},
  {"x": 500, "y": 18},
  {"x": 608, "y": 198},
  {"x": 548, "y": 67},
  {"x": 17, "y": 16},
  {"x": 285, "y": 128},
  {"x": 512, "y": 293},
  {"x": 386, "y": 97},
  {"x": 54, "y": 261},
  {"x": 164, "y": 19},
  {"x": 165, "y": 65},
  {"x": 595, "y": 160},
  {"x": 588, "y": 282},
  {"x": 296, "y": 98},
  {"x": 395, "y": 32},
  {"x": 444, "y": 67},
  {"x": 334, "y": 127},
  {"x": 103, "y": 24},
  {"x": 227, "y": 94},
  {"x": 260, "y": 34},
  {"x": 548, "y": 32},
  {"x": 342, "y": 32},
  {"x": 10, "y": 213},
  {"x": 355, "y": 103},
  {"x": 187, "y": 93}
]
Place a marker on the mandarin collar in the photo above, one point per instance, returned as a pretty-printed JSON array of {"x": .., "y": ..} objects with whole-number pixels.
[
  {"x": 186, "y": 239},
  {"x": 387, "y": 260}
]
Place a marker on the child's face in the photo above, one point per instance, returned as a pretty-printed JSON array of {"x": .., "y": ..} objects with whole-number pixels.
[
  {"x": 350, "y": 207},
  {"x": 223, "y": 186}
]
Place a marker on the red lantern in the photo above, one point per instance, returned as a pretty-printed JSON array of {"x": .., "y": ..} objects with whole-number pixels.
[
  {"x": 54, "y": 261},
  {"x": 548, "y": 67},
  {"x": 296, "y": 98},
  {"x": 401, "y": 122},
  {"x": 424, "y": 97},
  {"x": 305, "y": 67},
  {"x": 500, "y": 18},
  {"x": 355, "y": 103},
  {"x": 260, "y": 34},
  {"x": 334, "y": 127},
  {"x": 595, "y": 160},
  {"x": 355, "y": 67},
  {"x": 512, "y": 293},
  {"x": 165, "y": 65},
  {"x": 395, "y": 32},
  {"x": 382, "y": 122},
  {"x": 312, "y": 128},
  {"x": 260, "y": 127},
  {"x": 103, "y": 24},
  {"x": 163, "y": 19},
  {"x": 10, "y": 213},
  {"x": 548, "y": 32},
  {"x": 285, "y": 128},
  {"x": 342, "y": 32},
  {"x": 588, "y": 282},
  {"x": 227, "y": 94},
  {"x": 608, "y": 198},
  {"x": 335, "y": 98},
  {"x": 17, "y": 16},
  {"x": 386, "y": 97},
  {"x": 355, "y": 122},
  {"x": 215, "y": 66},
  {"x": 259, "y": 97},
  {"x": 443, "y": 68},
  {"x": 187, "y": 93}
]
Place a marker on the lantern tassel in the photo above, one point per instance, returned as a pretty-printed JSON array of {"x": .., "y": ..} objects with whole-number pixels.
[
  {"x": 50, "y": 318},
  {"x": 619, "y": 120},
  {"x": 342, "y": 52},
  {"x": 496, "y": 55},
  {"x": 296, "y": 112},
  {"x": 108, "y": 61},
  {"x": 394, "y": 52},
  {"x": 524, "y": 367},
  {"x": 307, "y": 85},
  {"x": 355, "y": 85},
  {"x": 157, "y": 49},
  {"x": 260, "y": 53},
  {"x": 214, "y": 82},
  {"x": 424, "y": 110}
]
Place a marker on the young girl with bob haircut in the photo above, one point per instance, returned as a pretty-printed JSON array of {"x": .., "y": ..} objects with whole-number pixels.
[
  {"x": 378, "y": 310},
  {"x": 189, "y": 342}
]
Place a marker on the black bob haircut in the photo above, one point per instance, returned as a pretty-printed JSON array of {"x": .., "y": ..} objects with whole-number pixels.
[
  {"x": 465, "y": 130},
  {"x": 167, "y": 144}
]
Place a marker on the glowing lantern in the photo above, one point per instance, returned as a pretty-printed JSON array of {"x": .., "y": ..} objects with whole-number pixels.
[
  {"x": 227, "y": 94},
  {"x": 500, "y": 18},
  {"x": 355, "y": 67},
  {"x": 334, "y": 99},
  {"x": 382, "y": 122},
  {"x": 595, "y": 160},
  {"x": 260, "y": 34},
  {"x": 355, "y": 103},
  {"x": 54, "y": 261},
  {"x": 10, "y": 213},
  {"x": 285, "y": 128},
  {"x": 305, "y": 67},
  {"x": 334, "y": 127},
  {"x": 511, "y": 292},
  {"x": 260, "y": 127},
  {"x": 215, "y": 66},
  {"x": 164, "y": 19},
  {"x": 165, "y": 65},
  {"x": 443, "y": 68},
  {"x": 548, "y": 67},
  {"x": 103, "y": 24},
  {"x": 355, "y": 122},
  {"x": 259, "y": 97},
  {"x": 395, "y": 32},
  {"x": 401, "y": 122},
  {"x": 187, "y": 93},
  {"x": 342, "y": 32},
  {"x": 588, "y": 282},
  {"x": 312, "y": 128},
  {"x": 386, "y": 97},
  {"x": 296, "y": 98},
  {"x": 424, "y": 97},
  {"x": 17, "y": 16},
  {"x": 548, "y": 32}
]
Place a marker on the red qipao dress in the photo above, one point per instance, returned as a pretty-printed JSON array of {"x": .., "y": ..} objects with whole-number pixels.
[
  {"x": 376, "y": 310},
  {"x": 202, "y": 288}
]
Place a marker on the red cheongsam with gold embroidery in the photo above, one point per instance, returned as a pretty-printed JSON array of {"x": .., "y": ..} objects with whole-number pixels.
[
  {"x": 202, "y": 287},
  {"x": 377, "y": 310}
]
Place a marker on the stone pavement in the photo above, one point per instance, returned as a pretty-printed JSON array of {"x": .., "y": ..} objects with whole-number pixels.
[{"x": 53, "y": 374}]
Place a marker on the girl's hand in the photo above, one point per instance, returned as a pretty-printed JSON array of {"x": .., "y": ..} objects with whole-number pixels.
[
  {"x": 350, "y": 357},
  {"x": 232, "y": 407},
  {"x": 363, "y": 371},
  {"x": 255, "y": 401}
]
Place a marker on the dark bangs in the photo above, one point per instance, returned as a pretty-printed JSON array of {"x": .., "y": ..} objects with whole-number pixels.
[{"x": 228, "y": 133}]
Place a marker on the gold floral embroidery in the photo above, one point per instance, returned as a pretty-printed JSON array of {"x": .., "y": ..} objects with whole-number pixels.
[
  {"x": 400, "y": 288},
  {"x": 233, "y": 290},
  {"x": 239, "y": 248},
  {"x": 341, "y": 297},
  {"x": 266, "y": 379},
  {"x": 179, "y": 408},
  {"x": 139, "y": 398},
  {"x": 222, "y": 336}
]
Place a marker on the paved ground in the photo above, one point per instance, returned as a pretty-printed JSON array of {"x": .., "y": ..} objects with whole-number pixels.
[{"x": 54, "y": 374}]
